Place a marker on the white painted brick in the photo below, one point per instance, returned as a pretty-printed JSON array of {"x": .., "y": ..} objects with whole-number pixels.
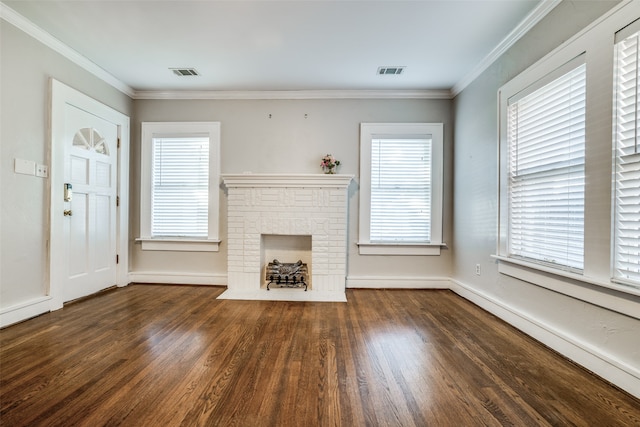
[
  {"x": 320, "y": 255},
  {"x": 304, "y": 204},
  {"x": 252, "y": 246},
  {"x": 320, "y": 267},
  {"x": 318, "y": 212},
  {"x": 321, "y": 249},
  {"x": 337, "y": 228},
  {"x": 335, "y": 243},
  {"x": 235, "y": 250},
  {"x": 234, "y": 266}
]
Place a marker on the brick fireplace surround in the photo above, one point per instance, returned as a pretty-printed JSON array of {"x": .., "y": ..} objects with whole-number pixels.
[{"x": 292, "y": 205}]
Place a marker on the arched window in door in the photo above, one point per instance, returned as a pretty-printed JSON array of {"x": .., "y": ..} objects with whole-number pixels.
[{"x": 90, "y": 139}]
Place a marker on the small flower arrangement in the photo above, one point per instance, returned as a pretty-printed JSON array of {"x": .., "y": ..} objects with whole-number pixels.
[{"x": 329, "y": 164}]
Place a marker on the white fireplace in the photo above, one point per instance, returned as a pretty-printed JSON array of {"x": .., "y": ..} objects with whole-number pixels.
[{"x": 287, "y": 216}]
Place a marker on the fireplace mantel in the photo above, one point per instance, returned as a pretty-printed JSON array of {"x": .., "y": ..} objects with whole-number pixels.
[
  {"x": 265, "y": 180},
  {"x": 287, "y": 205}
]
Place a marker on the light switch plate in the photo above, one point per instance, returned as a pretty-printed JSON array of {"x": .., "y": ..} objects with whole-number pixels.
[{"x": 26, "y": 167}]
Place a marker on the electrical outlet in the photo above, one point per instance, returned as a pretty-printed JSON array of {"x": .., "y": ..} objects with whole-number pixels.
[
  {"x": 42, "y": 171},
  {"x": 478, "y": 269}
]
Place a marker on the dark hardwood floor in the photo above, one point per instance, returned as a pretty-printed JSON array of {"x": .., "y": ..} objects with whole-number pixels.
[{"x": 149, "y": 355}]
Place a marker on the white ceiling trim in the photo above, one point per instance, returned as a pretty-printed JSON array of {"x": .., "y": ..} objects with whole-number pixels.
[
  {"x": 296, "y": 94},
  {"x": 536, "y": 15},
  {"x": 22, "y": 23}
]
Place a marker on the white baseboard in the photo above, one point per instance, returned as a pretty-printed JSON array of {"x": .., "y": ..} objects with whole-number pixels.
[
  {"x": 26, "y": 310},
  {"x": 621, "y": 374},
  {"x": 177, "y": 278},
  {"x": 384, "y": 282}
]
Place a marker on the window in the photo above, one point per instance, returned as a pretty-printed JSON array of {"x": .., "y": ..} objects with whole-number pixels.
[
  {"x": 626, "y": 268},
  {"x": 546, "y": 140},
  {"x": 401, "y": 188},
  {"x": 575, "y": 232},
  {"x": 179, "y": 192},
  {"x": 180, "y": 186}
]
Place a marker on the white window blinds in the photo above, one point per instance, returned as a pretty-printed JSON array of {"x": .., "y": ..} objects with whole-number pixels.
[
  {"x": 180, "y": 187},
  {"x": 401, "y": 190},
  {"x": 627, "y": 159},
  {"x": 546, "y": 134}
]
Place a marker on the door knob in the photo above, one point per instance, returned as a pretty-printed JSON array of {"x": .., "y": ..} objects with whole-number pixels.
[{"x": 67, "y": 212}]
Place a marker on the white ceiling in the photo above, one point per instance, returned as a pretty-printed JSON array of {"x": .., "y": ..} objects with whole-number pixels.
[{"x": 274, "y": 45}]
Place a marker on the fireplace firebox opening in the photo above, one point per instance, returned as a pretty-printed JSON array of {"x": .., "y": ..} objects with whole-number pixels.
[{"x": 286, "y": 261}]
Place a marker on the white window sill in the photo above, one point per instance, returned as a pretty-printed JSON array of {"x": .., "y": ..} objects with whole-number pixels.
[
  {"x": 620, "y": 298},
  {"x": 178, "y": 244},
  {"x": 432, "y": 249}
]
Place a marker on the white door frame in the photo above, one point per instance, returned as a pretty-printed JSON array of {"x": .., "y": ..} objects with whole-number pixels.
[{"x": 61, "y": 95}]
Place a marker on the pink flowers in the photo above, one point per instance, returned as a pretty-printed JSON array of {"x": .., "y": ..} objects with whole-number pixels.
[{"x": 329, "y": 163}]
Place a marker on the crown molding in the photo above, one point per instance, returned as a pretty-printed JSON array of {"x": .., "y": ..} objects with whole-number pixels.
[
  {"x": 14, "y": 18},
  {"x": 294, "y": 94},
  {"x": 536, "y": 15}
]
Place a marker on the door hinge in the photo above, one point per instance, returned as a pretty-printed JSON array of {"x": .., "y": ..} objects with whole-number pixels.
[
  {"x": 117, "y": 259},
  {"x": 118, "y": 145},
  {"x": 117, "y": 200}
]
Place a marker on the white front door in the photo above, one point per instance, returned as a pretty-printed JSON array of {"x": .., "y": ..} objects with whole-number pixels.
[
  {"x": 89, "y": 170},
  {"x": 89, "y": 223}
]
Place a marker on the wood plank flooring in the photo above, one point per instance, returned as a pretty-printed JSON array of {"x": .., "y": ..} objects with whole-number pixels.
[{"x": 151, "y": 355}]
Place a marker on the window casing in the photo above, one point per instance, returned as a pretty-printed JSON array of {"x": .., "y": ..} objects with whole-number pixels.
[
  {"x": 400, "y": 188},
  {"x": 179, "y": 186}
]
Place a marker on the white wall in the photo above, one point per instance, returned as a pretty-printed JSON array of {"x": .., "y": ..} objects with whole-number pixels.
[
  {"x": 601, "y": 339},
  {"x": 287, "y": 141},
  {"x": 25, "y": 68}
]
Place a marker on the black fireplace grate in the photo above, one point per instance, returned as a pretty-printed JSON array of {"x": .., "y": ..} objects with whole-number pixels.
[{"x": 287, "y": 275}]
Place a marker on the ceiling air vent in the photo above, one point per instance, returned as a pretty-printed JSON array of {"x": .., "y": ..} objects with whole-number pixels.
[
  {"x": 182, "y": 72},
  {"x": 390, "y": 71}
]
